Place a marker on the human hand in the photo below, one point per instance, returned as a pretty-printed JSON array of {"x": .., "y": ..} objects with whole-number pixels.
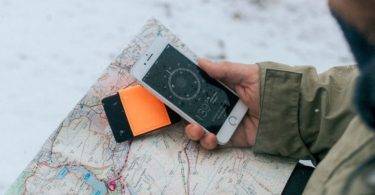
[{"x": 244, "y": 80}]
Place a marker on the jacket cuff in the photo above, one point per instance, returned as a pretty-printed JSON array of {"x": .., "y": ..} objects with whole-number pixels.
[{"x": 278, "y": 132}]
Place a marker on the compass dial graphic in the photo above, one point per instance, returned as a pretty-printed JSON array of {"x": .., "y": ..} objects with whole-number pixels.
[{"x": 184, "y": 84}]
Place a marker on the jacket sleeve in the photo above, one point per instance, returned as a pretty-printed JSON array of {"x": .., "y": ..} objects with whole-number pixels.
[{"x": 303, "y": 113}]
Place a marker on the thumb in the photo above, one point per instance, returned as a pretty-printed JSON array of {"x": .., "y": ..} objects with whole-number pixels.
[{"x": 225, "y": 71}]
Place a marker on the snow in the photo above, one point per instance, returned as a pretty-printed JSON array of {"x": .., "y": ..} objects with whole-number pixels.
[{"x": 52, "y": 51}]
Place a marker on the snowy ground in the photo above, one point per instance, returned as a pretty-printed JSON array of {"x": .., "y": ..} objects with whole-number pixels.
[{"x": 52, "y": 51}]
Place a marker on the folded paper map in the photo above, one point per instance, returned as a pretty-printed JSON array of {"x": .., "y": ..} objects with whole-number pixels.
[{"x": 82, "y": 157}]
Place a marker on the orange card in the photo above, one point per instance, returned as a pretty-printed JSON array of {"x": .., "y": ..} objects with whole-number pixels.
[{"x": 144, "y": 111}]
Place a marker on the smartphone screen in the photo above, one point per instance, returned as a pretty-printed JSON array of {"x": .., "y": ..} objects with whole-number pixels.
[{"x": 189, "y": 88}]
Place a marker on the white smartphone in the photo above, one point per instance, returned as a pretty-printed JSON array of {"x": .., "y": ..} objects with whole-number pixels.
[{"x": 179, "y": 82}]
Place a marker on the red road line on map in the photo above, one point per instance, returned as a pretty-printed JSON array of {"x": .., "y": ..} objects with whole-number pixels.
[
  {"x": 188, "y": 168},
  {"x": 118, "y": 176}
]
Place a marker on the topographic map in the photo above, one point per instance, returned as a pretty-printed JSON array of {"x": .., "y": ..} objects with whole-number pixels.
[{"x": 82, "y": 157}]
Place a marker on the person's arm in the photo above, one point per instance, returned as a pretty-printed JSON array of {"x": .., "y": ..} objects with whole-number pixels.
[
  {"x": 293, "y": 111},
  {"x": 303, "y": 113}
]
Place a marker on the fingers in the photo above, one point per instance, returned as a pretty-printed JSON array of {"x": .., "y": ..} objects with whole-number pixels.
[
  {"x": 225, "y": 71},
  {"x": 208, "y": 141},
  {"x": 196, "y": 133}
]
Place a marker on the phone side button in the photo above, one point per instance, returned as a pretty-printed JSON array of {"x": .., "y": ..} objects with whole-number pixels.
[{"x": 233, "y": 120}]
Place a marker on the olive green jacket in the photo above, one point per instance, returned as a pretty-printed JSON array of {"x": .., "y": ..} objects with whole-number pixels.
[{"x": 305, "y": 115}]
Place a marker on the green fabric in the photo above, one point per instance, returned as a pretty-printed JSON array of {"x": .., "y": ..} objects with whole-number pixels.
[{"x": 305, "y": 115}]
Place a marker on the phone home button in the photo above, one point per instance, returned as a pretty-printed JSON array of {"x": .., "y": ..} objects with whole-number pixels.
[{"x": 232, "y": 120}]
